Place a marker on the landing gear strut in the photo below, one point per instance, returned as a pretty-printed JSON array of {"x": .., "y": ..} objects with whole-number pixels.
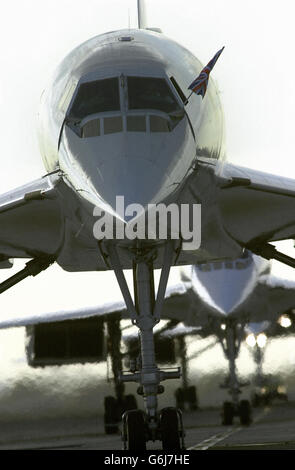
[
  {"x": 138, "y": 426},
  {"x": 230, "y": 343},
  {"x": 186, "y": 396},
  {"x": 114, "y": 407}
]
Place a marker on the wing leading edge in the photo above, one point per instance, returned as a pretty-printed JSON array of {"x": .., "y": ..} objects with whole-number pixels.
[
  {"x": 280, "y": 294},
  {"x": 177, "y": 300},
  {"x": 256, "y": 207},
  {"x": 31, "y": 220}
]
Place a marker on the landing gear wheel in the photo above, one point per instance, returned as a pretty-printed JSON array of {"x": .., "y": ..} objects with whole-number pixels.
[
  {"x": 267, "y": 400},
  {"x": 228, "y": 413},
  {"x": 135, "y": 430},
  {"x": 130, "y": 403},
  {"x": 111, "y": 415},
  {"x": 185, "y": 396},
  {"x": 192, "y": 398},
  {"x": 256, "y": 400},
  {"x": 283, "y": 396},
  {"x": 245, "y": 412},
  {"x": 169, "y": 426},
  {"x": 179, "y": 397}
]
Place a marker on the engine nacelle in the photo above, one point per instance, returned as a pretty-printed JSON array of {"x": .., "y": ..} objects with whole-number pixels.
[
  {"x": 66, "y": 342},
  {"x": 164, "y": 349}
]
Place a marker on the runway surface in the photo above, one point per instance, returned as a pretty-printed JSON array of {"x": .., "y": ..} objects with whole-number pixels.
[
  {"x": 273, "y": 427},
  {"x": 62, "y": 407}
]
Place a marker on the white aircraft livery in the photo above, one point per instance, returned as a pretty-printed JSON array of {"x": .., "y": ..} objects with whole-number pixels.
[{"x": 117, "y": 122}]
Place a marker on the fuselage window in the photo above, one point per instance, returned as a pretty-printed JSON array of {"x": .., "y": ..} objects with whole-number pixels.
[
  {"x": 113, "y": 124},
  {"x": 91, "y": 128},
  {"x": 240, "y": 265},
  {"x": 229, "y": 265},
  {"x": 96, "y": 97},
  {"x": 150, "y": 93},
  {"x": 217, "y": 265},
  {"x": 204, "y": 267},
  {"x": 159, "y": 124},
  {"x": 136, "y": 124}
]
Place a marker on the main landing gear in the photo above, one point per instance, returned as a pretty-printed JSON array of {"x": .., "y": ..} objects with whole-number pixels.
[
  {"x": 141, "y": 426},
  {"x": 230, "y": 342},
  {"x": 240, "y": 409},
  {"x": 114, "y": 407},
  {"x": 186, "y": 396}
]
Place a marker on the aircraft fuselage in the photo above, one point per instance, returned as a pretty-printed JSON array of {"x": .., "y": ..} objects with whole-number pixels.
[{"x": 114, "y": 123}]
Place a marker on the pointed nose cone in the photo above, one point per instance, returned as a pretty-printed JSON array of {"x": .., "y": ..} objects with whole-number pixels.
[
  {"x": 139, "y": 181},
  {"x": 143, "y": 168},
  {"x": 224, "y": 288}
]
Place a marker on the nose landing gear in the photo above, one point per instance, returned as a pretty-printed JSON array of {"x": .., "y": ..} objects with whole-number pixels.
[
  {"x": 138, "y": 426},
  {"x": 242, "y": 410},
  {"x": 230, "y": 341}
]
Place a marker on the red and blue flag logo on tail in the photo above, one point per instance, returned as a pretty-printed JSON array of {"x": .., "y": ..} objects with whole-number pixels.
[{"x": 199, "y": 85}]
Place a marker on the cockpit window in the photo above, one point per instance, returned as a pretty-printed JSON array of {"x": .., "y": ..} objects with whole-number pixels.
[
  {"x": 91, "y": 129},
  {"x": 96, "y": 97},
  {"x": 159, "y": 124},
  {"x": 136, "y": 123},
  {"x": 112, "y": 105},
  {"x": 150, "y": 93},
  {"x": 113, "y": 124}
]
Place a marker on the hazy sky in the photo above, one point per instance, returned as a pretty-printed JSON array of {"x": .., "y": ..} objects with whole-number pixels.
[{"x": 255, "y": 75}]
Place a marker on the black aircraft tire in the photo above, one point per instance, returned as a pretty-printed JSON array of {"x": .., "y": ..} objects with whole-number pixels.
[
  {"x": 227, "y": 413},
  {"x": 256, "y": 400},
  {"x": 245, "y": 412},
  {"x": 130, "y": 403},
  {"x": 111, "y": 417},
  {"x": 169, "y": 429},
  {"x": 179, "y": 397},
  {"x": 192, "y": 397},
  {"x": 135, "y": 430}
]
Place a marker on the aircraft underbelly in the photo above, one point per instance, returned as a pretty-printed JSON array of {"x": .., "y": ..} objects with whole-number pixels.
[{"x": 82, "y": 252}]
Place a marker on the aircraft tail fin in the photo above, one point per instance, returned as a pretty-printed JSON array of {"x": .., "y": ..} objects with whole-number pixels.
[
  {"x": 141, "y": 11},
  {"x": 142, "y": 18}
]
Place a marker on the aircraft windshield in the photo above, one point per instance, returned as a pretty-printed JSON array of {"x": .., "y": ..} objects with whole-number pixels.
[
  {"x": 112, "y": 105},
  {"x": 150, "y": 93},
  {"x": 96, "y": 97}
]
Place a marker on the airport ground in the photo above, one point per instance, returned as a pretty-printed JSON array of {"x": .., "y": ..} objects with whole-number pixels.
[
  {"x": 62, "y": 407},
  {"x": 273, "y": 428}
]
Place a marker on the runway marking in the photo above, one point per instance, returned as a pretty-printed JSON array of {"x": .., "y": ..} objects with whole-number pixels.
[
  {"x": 91, "y": 440},
  {"x": 213, "y": 440}
]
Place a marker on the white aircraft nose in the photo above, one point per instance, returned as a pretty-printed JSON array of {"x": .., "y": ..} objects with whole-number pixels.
[
  {"x": 136, "y": 179},
  {"x": 142, "y": 168},
  {"x": 225, "y": 288}
]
